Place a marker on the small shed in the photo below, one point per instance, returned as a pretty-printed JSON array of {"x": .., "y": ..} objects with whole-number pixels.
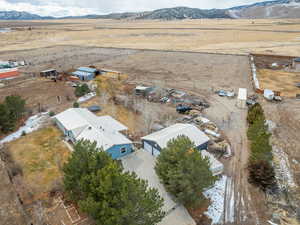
[
  {"x": 242, "y": 98},
  {"x": 84, "y": 76},
  {"x": 142, "y": 90},
  {"x": 269, "y": 94},
  {"x": 49, "y": 73},
  {"x": 296, "y": 64},
  {"x": 9, "y": 73}
]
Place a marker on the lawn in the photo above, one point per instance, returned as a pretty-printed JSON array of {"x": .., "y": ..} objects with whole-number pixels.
[{"x": 41, "y": 155}]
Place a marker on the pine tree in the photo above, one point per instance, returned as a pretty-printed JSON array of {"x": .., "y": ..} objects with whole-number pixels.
[
  {"x": 184, "y": 172},
  {"x": 261, "y": 174},
  {"x": 110, "y": 196}
]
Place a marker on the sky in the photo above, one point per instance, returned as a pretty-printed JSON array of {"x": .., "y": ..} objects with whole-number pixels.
[{"x": 60, "y": 8}]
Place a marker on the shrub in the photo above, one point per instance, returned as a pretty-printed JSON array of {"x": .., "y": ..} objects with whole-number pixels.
[
  {"x": 82, "y": 90},
  {"x": 51, "y": 113},
  {"x": 75, "y": 105},
  {"x": 261, "y": 174}
]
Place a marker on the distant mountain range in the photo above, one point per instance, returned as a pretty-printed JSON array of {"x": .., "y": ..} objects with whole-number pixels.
[{"x": 267, "y": 9}]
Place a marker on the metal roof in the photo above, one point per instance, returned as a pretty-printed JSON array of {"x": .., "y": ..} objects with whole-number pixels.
[
  {"x": 82, "y": 74},
  {"x": 297, "y": 60},
  {"x": 49, "y": 70},
  {"x": 242, "y": 94},
  {"x": 163, "y": 136},
  {"x": 86, "y": 125},
  {"x": 87, "y": 69},
  {"x": 216, "y": 166}
]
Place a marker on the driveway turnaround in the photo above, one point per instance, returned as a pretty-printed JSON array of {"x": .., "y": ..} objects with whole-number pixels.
[{"x": 142, "y": 163}]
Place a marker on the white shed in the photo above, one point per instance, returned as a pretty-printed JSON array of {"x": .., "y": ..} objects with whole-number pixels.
[
  {"x": 242, "y": 98},
  {"x": 269, "y": 94}
]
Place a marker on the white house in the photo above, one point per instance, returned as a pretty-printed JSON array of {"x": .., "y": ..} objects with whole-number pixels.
[
  {"x": 242, "y": 98},
  {"x": 155, "y": 142},
  {"x": 80, "y": 124}
]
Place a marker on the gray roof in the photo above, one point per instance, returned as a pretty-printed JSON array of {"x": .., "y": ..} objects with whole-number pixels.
[
  {"x": 163, "y": 136},
  {"x": 86, "y": 125}
]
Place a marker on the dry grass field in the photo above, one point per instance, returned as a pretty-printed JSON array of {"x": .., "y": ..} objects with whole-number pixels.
[
  {"x": 278, "y": 80},
  {"x": 220, "y": 36},
  {"x": 41, "y": 155}
]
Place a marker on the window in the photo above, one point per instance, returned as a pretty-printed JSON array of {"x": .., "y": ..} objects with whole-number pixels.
[{"x": 123, "y": 150}]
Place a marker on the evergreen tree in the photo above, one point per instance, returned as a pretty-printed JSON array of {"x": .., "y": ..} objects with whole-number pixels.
[
  {"x": 85, "y": 160},
  {"x": 110, "y": 196},
  {"x": 184, "y": 172},
  {"x": 5, "y": 122},
  {"x": 16, "y": 106},
  {"x": 261, "y": 174},
  {"x": 120, "y": 198}
]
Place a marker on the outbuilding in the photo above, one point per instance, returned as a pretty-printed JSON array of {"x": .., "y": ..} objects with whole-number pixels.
[
  {"x": 296, "y": 64},
  {"x": 269, "y": 94},
  {"x": 85, "y": 73},
  {"x": 155, "y": 142},
  {"x": 49, "y": 73},
  {"x": 80, "y": 124},
  {"x": 242, "y": 98},
  {"x": 9, "y": 73}
]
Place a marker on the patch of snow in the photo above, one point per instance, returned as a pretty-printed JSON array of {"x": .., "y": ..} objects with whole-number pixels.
[
  {"x": 233, "y": 14},
  {"x": 270, "y": 222},
  {"x": 271, "y": 125},
  {"x": 283, "y": 172},
  {"x": 293, "y": 4},
  {"x": 216, "y": 195},
  {"x": 86, "y": 97},
  {"x": 32, "y": 124}
]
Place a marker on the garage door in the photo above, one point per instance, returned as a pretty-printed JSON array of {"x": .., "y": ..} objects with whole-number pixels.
[{"x": 153, "y": 151}]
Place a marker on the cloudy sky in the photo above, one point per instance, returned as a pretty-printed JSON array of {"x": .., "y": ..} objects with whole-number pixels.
[{"x": 82, "y": 7}]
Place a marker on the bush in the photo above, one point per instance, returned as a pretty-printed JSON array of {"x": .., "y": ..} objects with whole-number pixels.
[
  {"x": 23, "y": 133},
  {"x": 51, "y": 113},
  {"x": 184, "y": 172},
  {"x": 261, "y": 174},
  {"x": 82, "y": 90},
  {"x": 75, "y": 105}
]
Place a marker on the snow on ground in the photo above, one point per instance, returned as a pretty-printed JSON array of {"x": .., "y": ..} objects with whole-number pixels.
[
  {"x": 282, "y": 168},
  {"x": 32, "y": 124},
  {"x": 216, "y": 195},
  {"x": 86, "y": 97}
]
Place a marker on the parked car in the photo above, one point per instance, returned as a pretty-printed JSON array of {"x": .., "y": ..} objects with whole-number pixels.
[
  {"x": 183, "y": 108},
  {"x": 222, "y": 93}
]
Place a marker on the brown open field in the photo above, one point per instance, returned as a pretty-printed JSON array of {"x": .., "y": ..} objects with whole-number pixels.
[
  {"x": 222, "y": 36},
  {"x": 278, "y": 80}
]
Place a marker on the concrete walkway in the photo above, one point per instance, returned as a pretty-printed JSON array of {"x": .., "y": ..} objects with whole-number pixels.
[{"x": 142, "y": 163}]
